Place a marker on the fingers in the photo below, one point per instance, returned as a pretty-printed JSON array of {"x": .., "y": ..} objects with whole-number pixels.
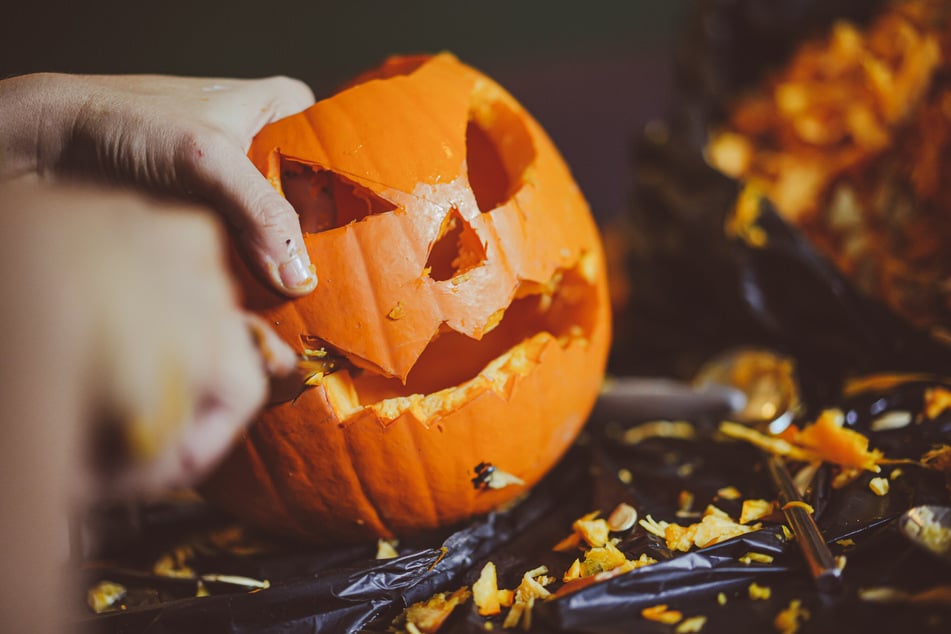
[
  {"x": 278, "y": 357},
  {"x": 289, "y": 96},
  {"x": 226, "y": 386},
  {"x": 226, "y": 402},
  {"x": 233, "y": 393},
  {"x": 228, "y": 391},
  {"x": 241, "y": 107},
  {"x": 189, "y": 136},
  {"x": 266, "y": 226},
  {"x": 177, "y": 373}
]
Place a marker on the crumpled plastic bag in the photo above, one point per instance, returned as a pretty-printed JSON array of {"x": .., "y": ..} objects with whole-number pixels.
[{"x": 363, "y": 594}]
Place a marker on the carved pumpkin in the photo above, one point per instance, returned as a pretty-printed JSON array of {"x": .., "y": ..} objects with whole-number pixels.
[{"x": 461, "y": 292}]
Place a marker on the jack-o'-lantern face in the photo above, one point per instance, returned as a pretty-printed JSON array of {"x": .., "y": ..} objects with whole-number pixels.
[{"x": 462, "y": 298}]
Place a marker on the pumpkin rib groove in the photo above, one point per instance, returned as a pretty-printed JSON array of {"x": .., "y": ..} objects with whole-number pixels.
[
  {"x": 267, "y": 482},
  {"x": 421, "y": 105},
  {"x": 404, "y": 89},
  {"x": 502, "y": 226},
  {"x": 379, "y": 521},
  {"x": 475, "y": 440},
  {"x": 352, "y": 475},
  {"x": 392, "y": 91},
  {"x": 506, "y": 258},
  {"x": 375, "y": 169},
  {"x": 424, "y": 467},
  {"x": 372, "y": 522},
  {"x": 286, "y": 496},
  {"x": 365, "y": 280},
  {"x": 382, "y": 309},
  {"x": 338, "y": 117}
]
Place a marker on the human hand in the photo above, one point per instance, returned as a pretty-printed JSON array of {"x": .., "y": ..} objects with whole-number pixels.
[
  {"x": 128, "y": 367},
  {"x": 123, "y": 317},
  {"x": 186, "y": 137}
]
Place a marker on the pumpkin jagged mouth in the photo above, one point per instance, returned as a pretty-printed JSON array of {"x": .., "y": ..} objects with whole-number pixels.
[{"x": 456, "y": 368}]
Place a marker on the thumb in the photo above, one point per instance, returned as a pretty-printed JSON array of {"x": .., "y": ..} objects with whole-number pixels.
[{"x": 267, "y": 226}]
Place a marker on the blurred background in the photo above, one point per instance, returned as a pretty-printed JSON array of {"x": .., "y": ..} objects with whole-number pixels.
[{"x": 593, "y": 73}]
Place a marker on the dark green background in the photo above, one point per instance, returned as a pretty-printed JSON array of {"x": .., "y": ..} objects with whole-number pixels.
[{"x": 593, "y": 72}]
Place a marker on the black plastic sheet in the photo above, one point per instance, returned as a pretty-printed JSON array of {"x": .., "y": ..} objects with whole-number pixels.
[{"x": 322, "y": 592}]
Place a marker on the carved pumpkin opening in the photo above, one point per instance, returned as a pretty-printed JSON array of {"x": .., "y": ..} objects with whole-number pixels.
[
  {"x": 456, "y": 250},
  {"x": 498, "y": 152},
  {"x": 454, "y": 364},
  {"x": 326, "y": 200}
]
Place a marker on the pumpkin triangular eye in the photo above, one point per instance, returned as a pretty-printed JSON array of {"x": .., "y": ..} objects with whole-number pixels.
[
  {"x": 326, "y": 200},
  {"x": 456, "y": 250},
  {"x": 499, "y": 151}
]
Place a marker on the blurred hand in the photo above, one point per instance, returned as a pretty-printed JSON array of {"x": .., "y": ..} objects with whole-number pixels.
[
  {"x": 121, "y": 314},
  {"x": 181, "y": 136},
  {"x": 128, "y": 366}
]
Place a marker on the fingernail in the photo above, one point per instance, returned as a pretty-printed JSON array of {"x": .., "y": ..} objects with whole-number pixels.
[{"x": 296, "y": 275}]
